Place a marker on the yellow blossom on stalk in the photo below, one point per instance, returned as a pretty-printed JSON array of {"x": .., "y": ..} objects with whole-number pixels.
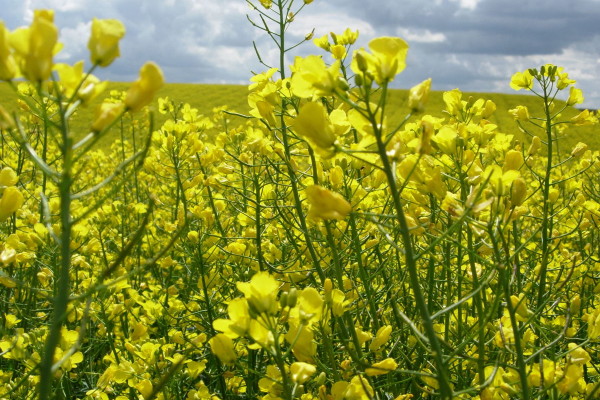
[
  {"x": 520, "y": 113},
  {"x": 222, "y": 346},
  {"x": 584, "y": 118},
  {"x": 35, "y": 46},
  {"x": 386, "y": 60},
  {"x": 142, "y": 91},
  {"x": 71, "y": 77},
  {"x": 11, "y": 201},
  {"x": 313, "y": 124},
  {"x": 575, "y": 96},
  {"x": 238, "y": 323},
  {"x": 536, "y": 145},
  {"x": 579, "y": 149},
  {"x": 266, "y": 3},
  {"x": 8, "y": 65},
  {"x": 522, "y": 80},
  {"x": 106, "y": 114},
  {"x": 8, "y": 177},
  {"x": 348, "y": 37},
  {"x": 104, "y": 41},
  {"x": 419, "y": 95},
  {"x": 518, "y": 192},
  {"x": 311, "y": 77},
  {"x": 382, "y": 367},
  {"x": 325, "y": 204},
  {"x": 454, "y": 104},
  {"x": 261, "y": 292},
  {"x": 381, "y": 337},
  {"x": 338, "y": 51},
  {"x": 301, "y": 372},
  {"x": 322, "y": 42},
  {"x": 513, "y": 160}
]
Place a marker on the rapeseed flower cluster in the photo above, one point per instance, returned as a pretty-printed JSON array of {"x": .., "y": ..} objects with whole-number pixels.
[{"x": 312, "y": 251}]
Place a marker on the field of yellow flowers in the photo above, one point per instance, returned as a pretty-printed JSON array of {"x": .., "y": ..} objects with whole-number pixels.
[{"x": 315, "y": 251}]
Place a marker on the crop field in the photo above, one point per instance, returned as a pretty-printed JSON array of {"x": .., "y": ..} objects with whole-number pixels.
[{"x": 313, "y": 235}]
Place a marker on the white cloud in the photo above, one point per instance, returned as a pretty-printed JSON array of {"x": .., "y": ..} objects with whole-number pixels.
[
  {"x": 421, "y": 35},
  {"x": 74, "y": 40},
  {"x": 467, "y": 4}
]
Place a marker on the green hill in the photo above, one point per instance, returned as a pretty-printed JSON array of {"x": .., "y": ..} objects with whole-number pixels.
[{"x": 205, "y": 97}]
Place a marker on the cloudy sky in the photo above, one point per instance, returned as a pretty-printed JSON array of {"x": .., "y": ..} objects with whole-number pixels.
[{"x": 474, "y": 45}]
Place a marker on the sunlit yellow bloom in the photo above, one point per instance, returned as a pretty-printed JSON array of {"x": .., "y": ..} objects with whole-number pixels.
[
  {"x": 71, "y": 79},
  {"x": 518, "y": 192},
  {"x": 313, "y": 124},
  {"x": 348, "y": 37},
  {"x": 325, "y": 204},
  {"x": 104, "y": 41},
  {"x": 579, "y": 149},
  {"x": 381, "y": 337},
  {"x": 311, "y": 77},
  {"x": 520, "y": 113},
  {"x": 522, "y": 80},
  {"x": 142, "y": 91},
  {"x": 8, "y": 177},
  {"x": 454, "y": 104},
  {"x": 446, "y": 139},
  {"x": 322, "y": 42},
  {"x": 266, "y": 3},
  {"x": 386, "y": 60},
  {"x": 584, "y": 118},
  {"x": 419, "y": 95},
  {"x": 575, "y": 96},
  {"x": 513, "y": 160},
  {"x": 11, "y": 201},
  {"x": 222, "y": 346},
  {"x": 8, "y": 65},
  {"x": 338, "y": 51},
  {"x": 382, "y": 367},
  {"x": 261, "y": 292},
  {"x": 301, "y": 372},
  {"x": 536, "y": 145},
  {"x": 105, "y": 115},
  {"x": 35, "y": 46}
]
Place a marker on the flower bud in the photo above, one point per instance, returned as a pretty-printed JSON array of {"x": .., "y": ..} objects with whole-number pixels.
[
  {"x": 104, "y": 41},
  {"x": 419, "y": 95},
  {"x": 141, "y": 93},
  {"x": 518, "y": 192},
  {"x": 536, "y": 145},
  {"x": 579, "y": 149},
  {"x": 106, "y": 114},
  {"x": 11, "y": 201}
]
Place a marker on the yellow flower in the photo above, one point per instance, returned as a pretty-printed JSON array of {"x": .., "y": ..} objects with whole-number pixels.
[
  {"x": 521, "y": 80},
  {"x": 301, "y": 372},
  {"x": 520, "y": 113},
  {"x": 142, "y": 91},
  {"x": 386, "y": 60},
  {"x": 322, "y": 42},
  {"x": 104, "y": 41},
  {"x": 222, "y": 346},
  {"x": 35, "y": 46},
  {"x": 8, "y": 177},
  {"x": 11, "y": 201},
  {"x": 575, "y": 96},
  {"x": 261, "y": 292},
  {"x": 381, "y": 337},
  {"x": 266, "y": 3},
  {"x": 419, "y": 95},
  {"x": 326, "y": 204},
  {"x": 313, "y": 124},
  {"x": 8, "y": 65},
  {"x": 311, "y": 77},
  {"x": 106, "y": 114},
  {"x": 382, "y": 367},
  {"x": 454, "y": 104},
  {"x": 584, "y": 118},
  {"x": 71, "y": 79}
]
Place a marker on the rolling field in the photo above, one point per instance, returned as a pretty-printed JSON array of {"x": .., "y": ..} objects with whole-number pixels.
[{"x": 205, "y": 97}]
